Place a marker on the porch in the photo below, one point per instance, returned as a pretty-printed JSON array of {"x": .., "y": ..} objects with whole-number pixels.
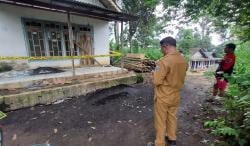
[{"x": 24, "y": 90}]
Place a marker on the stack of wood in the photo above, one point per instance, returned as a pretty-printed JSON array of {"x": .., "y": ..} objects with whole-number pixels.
[{"x": 138, "y": 63}]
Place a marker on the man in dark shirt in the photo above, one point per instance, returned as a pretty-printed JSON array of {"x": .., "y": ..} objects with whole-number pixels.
[{"x": 225, "y": 67}]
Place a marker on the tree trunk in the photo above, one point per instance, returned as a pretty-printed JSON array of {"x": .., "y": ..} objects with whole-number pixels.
[
  {"x": 130, "y": 43},
  {"x": 116, "y": 31}
]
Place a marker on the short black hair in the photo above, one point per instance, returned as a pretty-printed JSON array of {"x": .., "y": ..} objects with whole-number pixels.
[
  {"x": 168, "y": 41},
  {"x": 231, "y": 46}
]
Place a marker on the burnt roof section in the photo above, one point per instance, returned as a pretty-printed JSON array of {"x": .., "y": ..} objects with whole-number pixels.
[{"x": 75, "y": 8}]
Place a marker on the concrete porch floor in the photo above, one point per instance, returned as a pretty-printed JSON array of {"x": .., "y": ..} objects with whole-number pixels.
[
  {"x": 29, "y": 91},
  {"x": 22, "y": 76}
]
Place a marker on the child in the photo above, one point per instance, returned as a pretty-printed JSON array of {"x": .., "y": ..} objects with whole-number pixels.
[{"x": 225, "y": 67}]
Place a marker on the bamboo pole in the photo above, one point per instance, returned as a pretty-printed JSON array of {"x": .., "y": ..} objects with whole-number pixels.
[{"x": 71, "y": 44}]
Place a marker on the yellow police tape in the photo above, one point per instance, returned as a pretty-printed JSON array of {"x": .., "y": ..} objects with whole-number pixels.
[{"x": 114, "y": 54}]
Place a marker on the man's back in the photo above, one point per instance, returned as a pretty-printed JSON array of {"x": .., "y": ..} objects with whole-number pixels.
[
  {"x": 170, "y": 79},
  {"x": 178, "y": 67}
]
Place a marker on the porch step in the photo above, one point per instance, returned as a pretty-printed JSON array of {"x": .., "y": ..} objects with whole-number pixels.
[{"x": 53, "y": 94}]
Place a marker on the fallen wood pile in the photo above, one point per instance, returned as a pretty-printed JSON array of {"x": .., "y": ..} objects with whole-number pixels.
[{"x": 139, "y": 65}]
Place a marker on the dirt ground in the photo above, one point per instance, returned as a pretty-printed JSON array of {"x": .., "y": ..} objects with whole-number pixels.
[{"x": 119, "y": 116}]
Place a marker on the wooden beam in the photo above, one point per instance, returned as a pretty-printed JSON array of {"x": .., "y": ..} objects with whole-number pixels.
[
  {"x": 78, "y": 45},
  {"x": 71, "y": 44},
  {"x": 123, "y": 52}
]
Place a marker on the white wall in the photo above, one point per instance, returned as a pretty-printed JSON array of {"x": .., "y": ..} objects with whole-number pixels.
[
  {"x": 12, "y": 40},
  {"x": 197, "y": 55}
]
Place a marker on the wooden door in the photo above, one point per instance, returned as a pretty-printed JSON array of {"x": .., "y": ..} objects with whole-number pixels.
[{"x": 86, "y": 46}]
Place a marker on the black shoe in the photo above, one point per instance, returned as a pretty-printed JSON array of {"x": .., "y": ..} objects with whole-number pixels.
[{"x": 172, "y": 142}]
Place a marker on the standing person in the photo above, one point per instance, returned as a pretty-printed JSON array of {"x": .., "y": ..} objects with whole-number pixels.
[
  {"x": 226, "y": 66},
  {"x": 168, "y": 79}
]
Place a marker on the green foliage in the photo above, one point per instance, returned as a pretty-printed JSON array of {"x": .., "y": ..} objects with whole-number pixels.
[
  {"x": 2, "y": 115},
  {"x": 220, "y": 128},
  {"x": 5, "y": 67},
  {"x": 152, "y": 54},
  {"x": 209, "y": 74},
  {"x": 143, "y": 30},
  {"x": 217, "y": 123},
  {"x": 236, "y": 121},
  {"x": 224, "y": 13},
  {"x": 139, "y": 78},
  {"x": 187, "y": 39}
]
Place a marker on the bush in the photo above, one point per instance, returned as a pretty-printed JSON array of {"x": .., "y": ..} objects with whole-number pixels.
[
  {"x": 139, "y": 78},
  {"x": 152, "y": 54},
  {"x": 5, "y": 67}
]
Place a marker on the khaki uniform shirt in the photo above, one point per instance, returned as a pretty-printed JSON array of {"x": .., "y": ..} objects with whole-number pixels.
[{"x": 169, "y": 77}]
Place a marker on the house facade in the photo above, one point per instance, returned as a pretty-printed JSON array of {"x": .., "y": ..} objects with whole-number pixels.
[
  {"x": 202, "y": 59},
  {"x": 40, "y": 29}
]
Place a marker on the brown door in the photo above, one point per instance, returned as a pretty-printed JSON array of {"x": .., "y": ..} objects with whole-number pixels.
[{"x": 86, "y": 46}]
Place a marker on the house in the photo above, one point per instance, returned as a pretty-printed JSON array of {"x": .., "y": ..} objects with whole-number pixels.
[
  {"x": 41, "y": 28},
  {"x": 202, "y": 59}
]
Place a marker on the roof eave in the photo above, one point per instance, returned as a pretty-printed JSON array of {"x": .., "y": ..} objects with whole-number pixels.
[{"x": 75, "y": 8}]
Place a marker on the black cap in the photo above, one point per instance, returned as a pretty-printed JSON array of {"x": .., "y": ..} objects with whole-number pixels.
[{"x": 168, "y": 41}]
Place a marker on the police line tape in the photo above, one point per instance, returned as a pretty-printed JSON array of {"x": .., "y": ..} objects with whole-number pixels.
[{"x": 114, "y": 54}]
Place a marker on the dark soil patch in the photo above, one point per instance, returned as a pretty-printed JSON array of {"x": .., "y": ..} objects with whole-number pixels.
[
  {"x": 119, "y": 116},
  {"x": 109, "y": 98}
]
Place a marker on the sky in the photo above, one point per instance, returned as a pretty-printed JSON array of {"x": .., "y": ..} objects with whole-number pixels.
[{"x": 216, "y": 39}]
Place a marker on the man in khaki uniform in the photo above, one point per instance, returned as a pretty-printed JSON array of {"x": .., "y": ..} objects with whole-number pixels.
[{"x": 168, "y": 79}]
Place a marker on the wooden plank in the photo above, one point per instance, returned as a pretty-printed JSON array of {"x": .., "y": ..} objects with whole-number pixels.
[
  {"x": 135, "y": 56},
  {"x": 122, "y": 61}
]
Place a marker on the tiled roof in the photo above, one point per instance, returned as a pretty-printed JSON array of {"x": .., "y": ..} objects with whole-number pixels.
[
  {"x": 108, "y": 4},
  {"x": 91, "y": 2}
]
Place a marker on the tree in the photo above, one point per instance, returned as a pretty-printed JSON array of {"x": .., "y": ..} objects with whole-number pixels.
[
  {"x": 143, "y": 29},
  {"x": 188, "y": 38},
  {"x": 224, "y": 13},
  {"x": 185, "y": 40}
]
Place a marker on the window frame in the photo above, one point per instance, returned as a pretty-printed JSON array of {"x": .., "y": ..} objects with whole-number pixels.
[{"x": 45, "y": 35}]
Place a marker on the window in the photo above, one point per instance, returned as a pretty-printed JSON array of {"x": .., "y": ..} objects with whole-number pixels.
[
  {"x": 54, "y": 39},
  {"x": 46, "y": 38},
  {"x": 35, "y": 38},
  {"x": 66, "y": 41}
]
